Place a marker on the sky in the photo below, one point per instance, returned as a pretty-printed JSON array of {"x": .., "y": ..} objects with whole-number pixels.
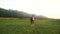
[{"x": 49, "y": 8}]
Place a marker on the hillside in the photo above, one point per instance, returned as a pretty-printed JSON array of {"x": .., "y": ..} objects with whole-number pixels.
[
  {"x": 18, "y": 14},
  {"x": 12, "y": 13}
]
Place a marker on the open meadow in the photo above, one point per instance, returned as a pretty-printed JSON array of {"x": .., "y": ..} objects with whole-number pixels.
[{"x": 23, "y": 26}]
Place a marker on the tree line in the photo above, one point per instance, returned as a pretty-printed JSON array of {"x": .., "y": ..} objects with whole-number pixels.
[
  {"x": 13, "y": 13},
  {"x": 18, "y": 14}
]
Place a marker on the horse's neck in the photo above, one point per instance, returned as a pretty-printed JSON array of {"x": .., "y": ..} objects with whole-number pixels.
[{"x": 32, "y": 17}]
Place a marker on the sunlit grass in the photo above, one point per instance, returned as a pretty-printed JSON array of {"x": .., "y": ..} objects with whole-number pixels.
[{"x": 23, "y": 26}]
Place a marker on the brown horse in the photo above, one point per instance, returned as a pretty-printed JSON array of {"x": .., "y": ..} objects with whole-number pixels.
[{"x": 32, "y": 19}]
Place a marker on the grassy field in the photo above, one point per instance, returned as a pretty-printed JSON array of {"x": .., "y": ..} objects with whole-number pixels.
[{"x": 22, "y": 26}]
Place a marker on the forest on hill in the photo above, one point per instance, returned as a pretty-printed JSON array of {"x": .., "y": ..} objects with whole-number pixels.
[
  {"x": 13, "y": 13},
  {"x": 18, "y": 14}
]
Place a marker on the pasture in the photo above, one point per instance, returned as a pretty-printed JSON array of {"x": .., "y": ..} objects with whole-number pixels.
[{"x": 23, "y": 26}]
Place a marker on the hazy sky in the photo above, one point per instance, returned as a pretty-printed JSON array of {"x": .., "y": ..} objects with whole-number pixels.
[{"x": 49, "y": 8}]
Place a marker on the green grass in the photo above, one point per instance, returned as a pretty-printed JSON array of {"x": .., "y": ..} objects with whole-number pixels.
[{"x": 22, "y": 26}]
